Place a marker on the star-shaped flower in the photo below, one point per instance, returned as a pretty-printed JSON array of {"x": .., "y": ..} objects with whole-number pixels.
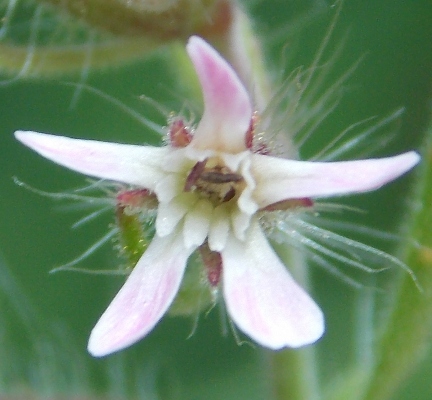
[{"x": 211, "y": 185}]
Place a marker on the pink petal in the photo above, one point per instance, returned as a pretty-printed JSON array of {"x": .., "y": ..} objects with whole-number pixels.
[
  {"x": 279, "y": 179},
  {"x": 263, "y": 299},
  {"x": 227, "y": 107},
  {"x": 137, "y": 165},
  {"x": 143, "y": 299}
]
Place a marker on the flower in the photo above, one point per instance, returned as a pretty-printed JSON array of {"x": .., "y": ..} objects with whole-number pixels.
[{"x": 211, "y": 185}]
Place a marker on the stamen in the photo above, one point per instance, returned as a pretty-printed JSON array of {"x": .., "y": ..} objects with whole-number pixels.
[
  {"x": 217, "y": 175},
  {"x": 229, "y": 195},
  {"x": 217, "y": 183},
  {"x": 179, "y": 134},
  {"x": 137, "y": 198},
  {"x": 252, "y": 141},
  {"x": 251, "y": 131},
  {"x": 212, "y": 261},
  {"x": 194, "y": 174}
]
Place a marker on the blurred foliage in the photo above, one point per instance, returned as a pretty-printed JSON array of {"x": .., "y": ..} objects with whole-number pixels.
[
  {"x": 45, "y": 319},
  {"x": 47, "y": 38}
]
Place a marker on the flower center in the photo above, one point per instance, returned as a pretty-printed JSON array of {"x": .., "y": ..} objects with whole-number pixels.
[{"x": 214, "y": 181}]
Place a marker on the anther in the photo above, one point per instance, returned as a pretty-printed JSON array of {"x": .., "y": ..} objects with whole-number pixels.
[
  {"x": 212, "y": 261},
  {"x": 194, "y": 175},
  {"x": 179, "y": 134},
  {"x": 136, "y": 198}
]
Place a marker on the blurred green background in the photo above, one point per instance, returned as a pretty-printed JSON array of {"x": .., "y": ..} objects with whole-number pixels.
[{"x": 45, "y": 319}]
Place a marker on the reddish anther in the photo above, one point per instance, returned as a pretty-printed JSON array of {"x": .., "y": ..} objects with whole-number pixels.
[
  {"x": 218, "y": 176},
  {"x": 212, "y": 261},
  {"x": 194, "y": 174},
  {"x": 136, "y": 198},
  {"x": 179, "y": 133},
  {"x": 229, "y": 195},
  {"x": 249, "y": 136},
  {"x": 251, "y": 131}
]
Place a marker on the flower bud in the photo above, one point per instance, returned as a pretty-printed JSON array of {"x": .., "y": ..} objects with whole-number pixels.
[{"x": 157, "y": 19}]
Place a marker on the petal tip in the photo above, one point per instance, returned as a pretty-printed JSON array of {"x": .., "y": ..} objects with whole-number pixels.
[
  {"x": 412, "y": 158},
  {"x": 194, "y": 41},
  {"x": 26, "y": 136},
  {"x": 399, "y": 165},
  {"x": 263, "y": 299},
  {"x": 311, "y": 331},
  {"x": 227, "y": 105},
  {"x": 99, "y": 345},
  {"x": 37, "y": 141},
  {"x": 95, "y": 349},
  {"x": 19, "y": 134}
]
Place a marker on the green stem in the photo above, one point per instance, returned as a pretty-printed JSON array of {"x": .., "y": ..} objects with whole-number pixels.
[
  {"x": 407, "y": 336},
  {"x": 364, "y": 328},
  {"x": 293, "y": 372}
]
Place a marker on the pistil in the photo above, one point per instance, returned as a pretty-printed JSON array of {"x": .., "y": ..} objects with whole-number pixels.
[{"x": 214, "y": 181}]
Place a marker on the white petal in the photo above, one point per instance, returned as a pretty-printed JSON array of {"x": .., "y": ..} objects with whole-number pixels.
[
  {"x": 279, "y": 179},
  {"x": 177, "y": 160},
  {"x": 136, "y": 165},
  {"x": 240, "y": 223},
  {"x": 197, "y": 223},
  {"x": 143, "y": 299},
  {"x": 263, "y": 299},
  {"x": 246, "y": 202},
  {"x": 227, "y": 107},
  {"x": 168, "y": 187},
  {"x": 169, "y": 214},
  {"x": 219, "y": 228}
]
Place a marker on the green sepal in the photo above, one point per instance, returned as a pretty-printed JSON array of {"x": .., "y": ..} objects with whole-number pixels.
[{"x": 133, "y": 240}]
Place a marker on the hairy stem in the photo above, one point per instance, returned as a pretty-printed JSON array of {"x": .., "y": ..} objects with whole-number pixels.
[
  {"x": 293, "y": 372},
  {"x": 406, "y": 338}
]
